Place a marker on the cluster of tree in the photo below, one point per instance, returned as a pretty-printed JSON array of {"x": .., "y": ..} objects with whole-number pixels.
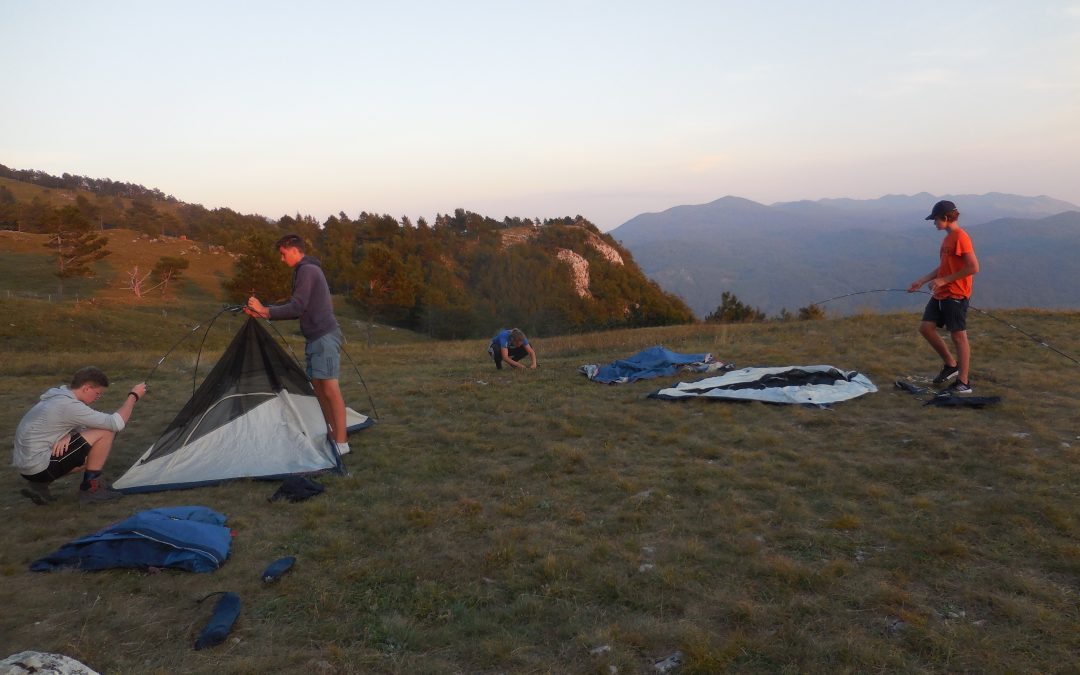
[
  {"x": 99, "y": 186},
  {"x": 222, "y": 227},
  {"x": 455, "y": 277},
  {"x": 733, "y": 310}
]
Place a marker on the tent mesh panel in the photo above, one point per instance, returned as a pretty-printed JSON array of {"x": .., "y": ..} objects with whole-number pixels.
[{"x": 251, "y": 371}]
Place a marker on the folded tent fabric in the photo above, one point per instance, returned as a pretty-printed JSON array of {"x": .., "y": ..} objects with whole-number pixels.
[
  {"x": 191, "y": 538},
  {"x": 818, "y": 385},
  {"x": 655, "y": 361}
]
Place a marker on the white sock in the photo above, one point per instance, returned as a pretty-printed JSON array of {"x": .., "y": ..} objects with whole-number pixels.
[{"x": 342, "y": 448}]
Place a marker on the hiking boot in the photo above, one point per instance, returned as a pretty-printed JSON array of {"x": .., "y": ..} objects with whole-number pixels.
[
  {"x": 38, "y": 493},
  {"x": 958, "y": 388},
  {"x": 947, "y": 373},
  {"x": 99, "y": 490}
]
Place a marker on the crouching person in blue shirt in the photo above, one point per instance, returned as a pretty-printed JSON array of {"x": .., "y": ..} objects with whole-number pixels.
[
  {"x": 511, "y": 346},
  {"x": 62, "y": 434}
]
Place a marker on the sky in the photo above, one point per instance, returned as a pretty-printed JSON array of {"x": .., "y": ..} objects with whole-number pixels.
[{"x": 539, "y": 110}]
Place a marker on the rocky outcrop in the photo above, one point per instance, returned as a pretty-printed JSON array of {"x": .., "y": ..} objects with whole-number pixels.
[
  {"x": 605, "y": 249},
  {"x": 579, "y": 266},
  {"x": 579, "y": 269}
]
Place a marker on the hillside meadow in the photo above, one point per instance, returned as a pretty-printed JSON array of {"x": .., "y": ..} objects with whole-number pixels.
[{"x": 535, "y": 522}]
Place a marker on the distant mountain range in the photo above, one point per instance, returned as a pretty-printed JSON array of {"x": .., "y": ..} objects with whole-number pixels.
[{"x": 791, "y": 254}]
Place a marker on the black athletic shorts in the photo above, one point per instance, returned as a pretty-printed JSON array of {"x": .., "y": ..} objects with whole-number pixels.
[
  {"x": 950, "y": 313},
  {"x": 73, "y": 458},
  {"x": 516, "y": 353}
]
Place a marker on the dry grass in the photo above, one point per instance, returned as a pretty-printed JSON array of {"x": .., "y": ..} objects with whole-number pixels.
[
  {"x": 537, "y": 522},
  {"x": 129, "y": 251}
]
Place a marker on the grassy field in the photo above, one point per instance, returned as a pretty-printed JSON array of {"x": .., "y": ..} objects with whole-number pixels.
[
  {"x": 535, "y": 522},
  {"x": 30, "y": 269}
]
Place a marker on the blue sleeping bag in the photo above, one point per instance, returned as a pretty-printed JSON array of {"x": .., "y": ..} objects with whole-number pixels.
[
  {"x": 192, "y": 538},
  {"x": 652, "y": 362}
]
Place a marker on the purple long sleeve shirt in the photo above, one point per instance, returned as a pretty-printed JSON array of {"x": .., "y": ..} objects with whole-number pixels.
[{"x": 310, "y": 301}]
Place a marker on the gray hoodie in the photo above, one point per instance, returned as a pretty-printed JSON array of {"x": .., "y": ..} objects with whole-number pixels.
[{"x": 56, "y": 414}]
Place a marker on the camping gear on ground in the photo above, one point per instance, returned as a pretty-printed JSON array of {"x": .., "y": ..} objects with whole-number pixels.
[
  {"x": 297, "y": 489},
  {"x": 947, "y": 399},
  {"x": 655, "y": 361},
  {"x": 912, "y": 388},
  {"x": 191, "y": 538},
  {"x": 957, "y": 401},
  {"x": 277, "y": 568},
  {"x": 254, "y": 416},
  {"x": 221, "y": 621},
  {"x": 819, "y": 385}
]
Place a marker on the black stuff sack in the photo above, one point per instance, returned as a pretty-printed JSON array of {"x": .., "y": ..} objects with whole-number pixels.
[{"x": 297, "y": 489}]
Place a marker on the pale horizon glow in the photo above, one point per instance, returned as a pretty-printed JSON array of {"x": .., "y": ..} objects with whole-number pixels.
[{"x": 605, "y": 110}]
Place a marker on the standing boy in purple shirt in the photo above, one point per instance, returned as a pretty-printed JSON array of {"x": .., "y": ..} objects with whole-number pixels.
[{"x": 311, "y": 303}]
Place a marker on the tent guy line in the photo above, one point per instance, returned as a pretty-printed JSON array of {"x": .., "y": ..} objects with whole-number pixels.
[
  {"x": 1035, "y": 339},
  {"x": 229, "y": 308},
  {"x": 374, "y": 412}
]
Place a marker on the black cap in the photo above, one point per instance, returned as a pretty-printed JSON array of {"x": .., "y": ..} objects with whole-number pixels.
[{"x": 940, "y": 209}]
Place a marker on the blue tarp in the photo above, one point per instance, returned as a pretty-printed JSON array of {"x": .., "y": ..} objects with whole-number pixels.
[
  {"x": 655, "y": 361},
  {"x": 192, "y": 538}
]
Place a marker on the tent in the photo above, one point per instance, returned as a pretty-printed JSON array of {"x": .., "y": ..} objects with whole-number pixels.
[
  {"x": 254, "y": 416},
  {"x": 806, "y": 385},
  {"x": 657, "y": 361}
]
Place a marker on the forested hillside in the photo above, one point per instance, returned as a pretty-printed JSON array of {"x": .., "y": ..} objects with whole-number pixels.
[
  {"x": 29, "y": 201},
  {"x": 462, "y": 275}
]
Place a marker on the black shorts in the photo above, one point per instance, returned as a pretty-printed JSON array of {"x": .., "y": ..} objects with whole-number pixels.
[
  {"x": 516, "y": 353},
  {"x": 74, "y": 457},
  {"x": 950, "y": 313}
]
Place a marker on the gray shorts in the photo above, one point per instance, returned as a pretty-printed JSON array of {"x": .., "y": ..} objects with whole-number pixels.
[{"x": 323, "y": 357}]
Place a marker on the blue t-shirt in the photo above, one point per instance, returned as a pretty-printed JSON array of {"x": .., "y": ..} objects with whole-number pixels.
[{"x": 502, "y": 340}]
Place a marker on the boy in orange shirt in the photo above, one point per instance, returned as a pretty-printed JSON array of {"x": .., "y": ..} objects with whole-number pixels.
[{"x": 950, "y": 284}]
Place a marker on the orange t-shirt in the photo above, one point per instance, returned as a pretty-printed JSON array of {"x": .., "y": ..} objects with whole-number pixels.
[{"x": 953, "y": 248}]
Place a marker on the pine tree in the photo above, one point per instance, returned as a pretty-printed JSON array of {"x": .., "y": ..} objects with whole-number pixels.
[
  {"x": 811, "y": 313},
  {"x": 732, "y": 310},
  {"x": 259, "y": 270},
  {"x": 169, "y": 270},
  {"x": 9, "y": 209},
  {"x": 386, "y": 283},
  {"x": 76, "y": 244}
]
